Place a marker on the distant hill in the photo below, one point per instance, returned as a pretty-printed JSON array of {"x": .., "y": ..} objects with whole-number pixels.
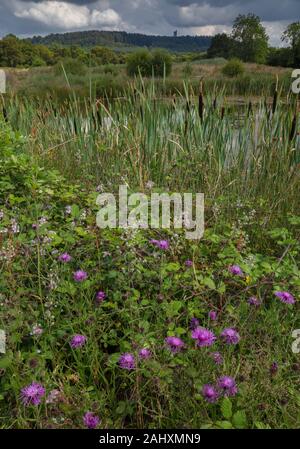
[{"x": 119, "y": 39}]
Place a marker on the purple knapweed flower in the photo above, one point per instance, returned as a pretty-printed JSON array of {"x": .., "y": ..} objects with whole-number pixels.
[
  {"x": 253, "y": 301},
  {"x": 188, "y": 263},
  {"x": 145, "y": 353},
  {"x": 236, "y": 270},
  {"x": 230, "y": 336},
  {"x": 78, "y": 341},
  {"x": 217, "y": 358},
  {"x": 80, "y": 276},
  {"x": 65, "y": 258},
  {"x": 100, "y": 297},
  {"x": 32, "y": 394},
  {"x": 161, "y": 244},
  {"x": 90, "y": 420},
  {"x": 227, "y": 385},
  {"x": 204, "y": 337},
  {"x": 210, "y": 393},
  {"x": 127, "y": 361},
  {"x": 175, "y": 344},
  {"x": 194, "y": 323},
  {"x": 212, "y": 315},
  {"x": 285, "y": 297}
]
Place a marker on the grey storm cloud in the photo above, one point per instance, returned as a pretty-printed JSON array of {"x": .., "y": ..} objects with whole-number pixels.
[{"x": 28, "y": 17}]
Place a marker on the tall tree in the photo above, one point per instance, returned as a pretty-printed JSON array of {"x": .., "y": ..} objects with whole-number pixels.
[
  {"x": 292, "y": 36},
  {"x": 251, "y": 38},
  {"x": 10, "y": 51},
  {"x": 222, "y": 45}
]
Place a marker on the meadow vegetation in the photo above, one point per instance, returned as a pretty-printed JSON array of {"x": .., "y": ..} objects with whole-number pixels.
[
  {"x": 143, "y": 328},
  {"x": 113, "y": 81}
]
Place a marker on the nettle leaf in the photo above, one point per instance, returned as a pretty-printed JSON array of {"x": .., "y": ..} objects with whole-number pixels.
[
  {"x": 114, "y": 358},
  {"x": 231, "y": 310},
  {"x": 208, "y": 282},
  {"x": 172, "y": 266},
  {"x": 81, "y": 231},
  {"x": 240, "y": 420},
  {"x": 224, "y": 424},
  {"x": 75, "y": 211},
  {"x": 66, "y": 287},
  {"x": 5, "y": 362},
  {"x": 222, "y": 288},
  {"x": 261, "y": 425},
  {"x": 226, "y": 408},
  {"x": 173, "y": 308}
]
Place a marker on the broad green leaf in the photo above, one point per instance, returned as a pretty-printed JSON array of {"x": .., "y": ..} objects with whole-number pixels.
[
  {"x": 226, "y": 408},
  {"x": 240, "y": 420}
]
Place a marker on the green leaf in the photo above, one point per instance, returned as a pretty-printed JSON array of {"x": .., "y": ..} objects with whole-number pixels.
[
  {"x": 172, "y": 266},
  {"x": 208, "y": 282},
  {"x": 75, "y": 211},
  {"x": 222, "y": 288},
  {"x": 120, "y": 410},
  {"x": 261, "y": 425},
  {"x": 172, "y": 308},
  {"x": 240, "y": 420},
  {"x": 5, "y": 362},
  {"x": 226, "y": 408},
  {"x": 224, "y": 424},
  {"x": 206, "y": 426}
]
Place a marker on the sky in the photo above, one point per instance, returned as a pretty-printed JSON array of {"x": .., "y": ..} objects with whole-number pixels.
[{"x": 194, "y": 17}]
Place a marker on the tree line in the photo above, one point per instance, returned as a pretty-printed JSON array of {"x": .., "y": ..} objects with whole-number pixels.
[
  {"x": 16, "y": 52},
  {"x": 249, "y": 42},
  {"x": 122, "y": 39}
]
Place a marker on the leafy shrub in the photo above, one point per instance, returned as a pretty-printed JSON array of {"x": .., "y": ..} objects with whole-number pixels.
[
  {"x": 38, "y": 62},
  {"x": 233, "y": 68},
  {"x": 161, "y": 63},
  {"x": 139, "y": 62},
  {"x": 157, "y": 63},
  {"x": 103, "y": 55},
  {"x": 71, "y": 67}
]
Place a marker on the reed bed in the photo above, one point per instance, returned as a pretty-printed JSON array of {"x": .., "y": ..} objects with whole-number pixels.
[{"x": 196, "y": 141}]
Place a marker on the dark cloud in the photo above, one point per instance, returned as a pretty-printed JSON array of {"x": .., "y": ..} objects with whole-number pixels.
[
  {"x": 75, "y": 2},
  {"x": 27, "y": 17}
]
